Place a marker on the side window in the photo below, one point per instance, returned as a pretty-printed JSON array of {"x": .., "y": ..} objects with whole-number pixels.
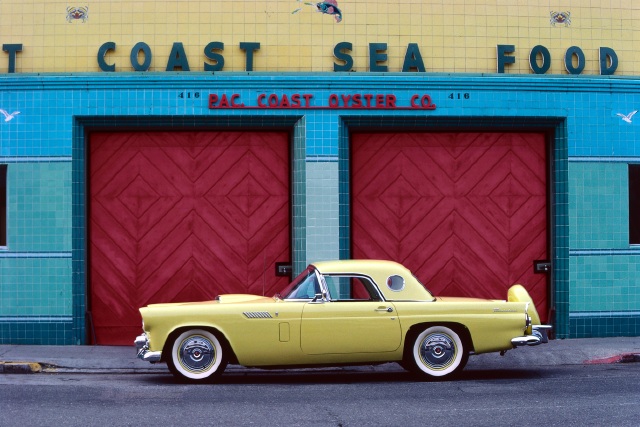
[
  {"x": 634, "y": 204},
  {"x": 3, "y": 205},
  {"x": 351, "y": 288}
]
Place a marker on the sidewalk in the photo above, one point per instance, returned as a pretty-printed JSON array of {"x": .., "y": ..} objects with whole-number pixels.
[{"x": 111, "y": 359}]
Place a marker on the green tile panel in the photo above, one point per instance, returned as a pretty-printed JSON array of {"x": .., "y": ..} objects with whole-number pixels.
[
  {"x": 35, "y": 287},
  {"x": 604, "y": 283},
  {"x": 39, "y": 207},
  {"x": 598, "y": 205}
]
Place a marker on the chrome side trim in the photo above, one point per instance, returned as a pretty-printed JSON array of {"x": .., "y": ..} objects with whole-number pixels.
[{"x": 257, "y": 314}]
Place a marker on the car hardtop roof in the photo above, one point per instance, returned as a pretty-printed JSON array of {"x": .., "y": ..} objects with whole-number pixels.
[
  {"x": 380, "y": 271},
  {"x": 363, "y": 266}
]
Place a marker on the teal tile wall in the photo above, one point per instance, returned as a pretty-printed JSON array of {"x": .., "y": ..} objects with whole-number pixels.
[
  {"x": 590, "y": 149},
  {"x": 35, "y": 267},
  {"x": 604, "y": 267},
  {"x": 322, "y": 209},
  {"x": 298, "y": 196},
  {"x": 36, "y": 331},
  {"x": 559, "y": 199},
  {"x": 609, "y": 325}
]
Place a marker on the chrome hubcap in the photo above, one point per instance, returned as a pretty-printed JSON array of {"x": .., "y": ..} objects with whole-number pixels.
[
  {"x": 437, "y": 351},
  {"x": 197, "y": 353}
]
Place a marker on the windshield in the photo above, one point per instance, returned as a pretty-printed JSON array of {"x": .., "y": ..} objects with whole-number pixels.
[{"x": 305, "y": 286}]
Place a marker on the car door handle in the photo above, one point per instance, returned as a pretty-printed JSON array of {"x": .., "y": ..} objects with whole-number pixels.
[{"x": 387, "y": 309}]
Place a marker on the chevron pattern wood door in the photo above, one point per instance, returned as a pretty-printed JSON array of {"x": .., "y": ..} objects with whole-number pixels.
[
  {"x": 466, "y": 212},
  {"x": 183, "y": 216}
]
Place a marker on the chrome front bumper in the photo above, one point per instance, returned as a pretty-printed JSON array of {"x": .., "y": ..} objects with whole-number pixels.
[
  {"x": 142, "y": 349},
  {"x": 538, "y": 336}
]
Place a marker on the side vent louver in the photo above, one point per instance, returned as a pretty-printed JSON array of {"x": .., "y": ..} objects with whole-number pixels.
[{"x": 257, "y": 314}]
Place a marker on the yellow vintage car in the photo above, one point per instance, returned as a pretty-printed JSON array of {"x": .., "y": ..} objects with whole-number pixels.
[{"x": 337, "y": 313}]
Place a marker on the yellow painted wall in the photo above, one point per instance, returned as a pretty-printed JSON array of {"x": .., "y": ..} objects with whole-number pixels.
[{"x": 453, "y": 35}]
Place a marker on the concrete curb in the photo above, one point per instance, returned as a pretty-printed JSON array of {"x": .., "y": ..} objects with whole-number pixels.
[
  {"x": 48, "y": 368},
  {"x": 620, "y": 358},
  {"x": 20, "y": 368}
]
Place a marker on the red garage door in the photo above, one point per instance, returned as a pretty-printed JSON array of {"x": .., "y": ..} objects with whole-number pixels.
[
  {"x": 183, "y": 216},
  {"x": 467, "y": 212}
]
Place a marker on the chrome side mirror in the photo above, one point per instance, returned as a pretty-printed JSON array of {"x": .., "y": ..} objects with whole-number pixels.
[{"x": 319, "y": 298}]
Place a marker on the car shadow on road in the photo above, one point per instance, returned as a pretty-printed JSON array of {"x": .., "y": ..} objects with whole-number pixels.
[{"x": 311, "y": 376}]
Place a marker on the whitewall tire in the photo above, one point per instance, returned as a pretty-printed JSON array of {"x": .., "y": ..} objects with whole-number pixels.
[
  {"x": 197, "y": 355},
  {"x": 438, "y": 351}
]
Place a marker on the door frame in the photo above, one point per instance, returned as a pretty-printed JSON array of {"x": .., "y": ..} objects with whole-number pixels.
[
  {"x": 555, "y": 129},
  {"x": 83, "y": 125}
]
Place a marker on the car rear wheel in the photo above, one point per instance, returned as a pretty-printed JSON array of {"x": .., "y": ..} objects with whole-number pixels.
[
  {"x": 197, "y": 355},
  {"x": 438, "y": 351}
]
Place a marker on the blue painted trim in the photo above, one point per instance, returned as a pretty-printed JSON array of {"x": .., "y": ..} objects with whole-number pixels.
[
  {"x": 601, "y": 252},
  {"x": 35, "y": 254},
  {"x": 321, "y": 159},
  {"x": 604, "y": 159},
  {"x": 604, "y": 313},
  {"x": 228, "y": 80},
  {"x": 35, "y": 159},
  {"x": 35, "y": 319}
]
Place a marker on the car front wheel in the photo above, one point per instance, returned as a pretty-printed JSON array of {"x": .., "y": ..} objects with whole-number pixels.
[
  {"x": 197, "y": 355},
  {"x": 438, "y": 351}
]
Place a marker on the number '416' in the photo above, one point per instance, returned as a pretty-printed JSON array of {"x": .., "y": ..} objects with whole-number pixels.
[{"x": 458, "y": 95}]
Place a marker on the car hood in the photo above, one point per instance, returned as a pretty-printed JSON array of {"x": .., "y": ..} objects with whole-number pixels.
[
  {"x": 221, "y": 299},
  {"x": 234, "y": 298}
]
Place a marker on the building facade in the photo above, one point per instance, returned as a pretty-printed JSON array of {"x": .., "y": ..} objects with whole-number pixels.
[{"x": 158, "y": 151}]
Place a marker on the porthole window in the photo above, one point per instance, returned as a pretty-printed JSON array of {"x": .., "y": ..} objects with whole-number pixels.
[{"x": 395, "y": 283}]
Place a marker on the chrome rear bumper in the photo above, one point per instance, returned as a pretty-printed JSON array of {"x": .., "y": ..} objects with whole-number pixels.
[
  {"x": 538, "y": 336},
  {"x": 142, "y": 349}
]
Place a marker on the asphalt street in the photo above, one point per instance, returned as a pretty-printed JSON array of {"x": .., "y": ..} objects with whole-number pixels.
[
  {"x": 554, "y": 395},
  {"x": 576, "y": 382}
]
